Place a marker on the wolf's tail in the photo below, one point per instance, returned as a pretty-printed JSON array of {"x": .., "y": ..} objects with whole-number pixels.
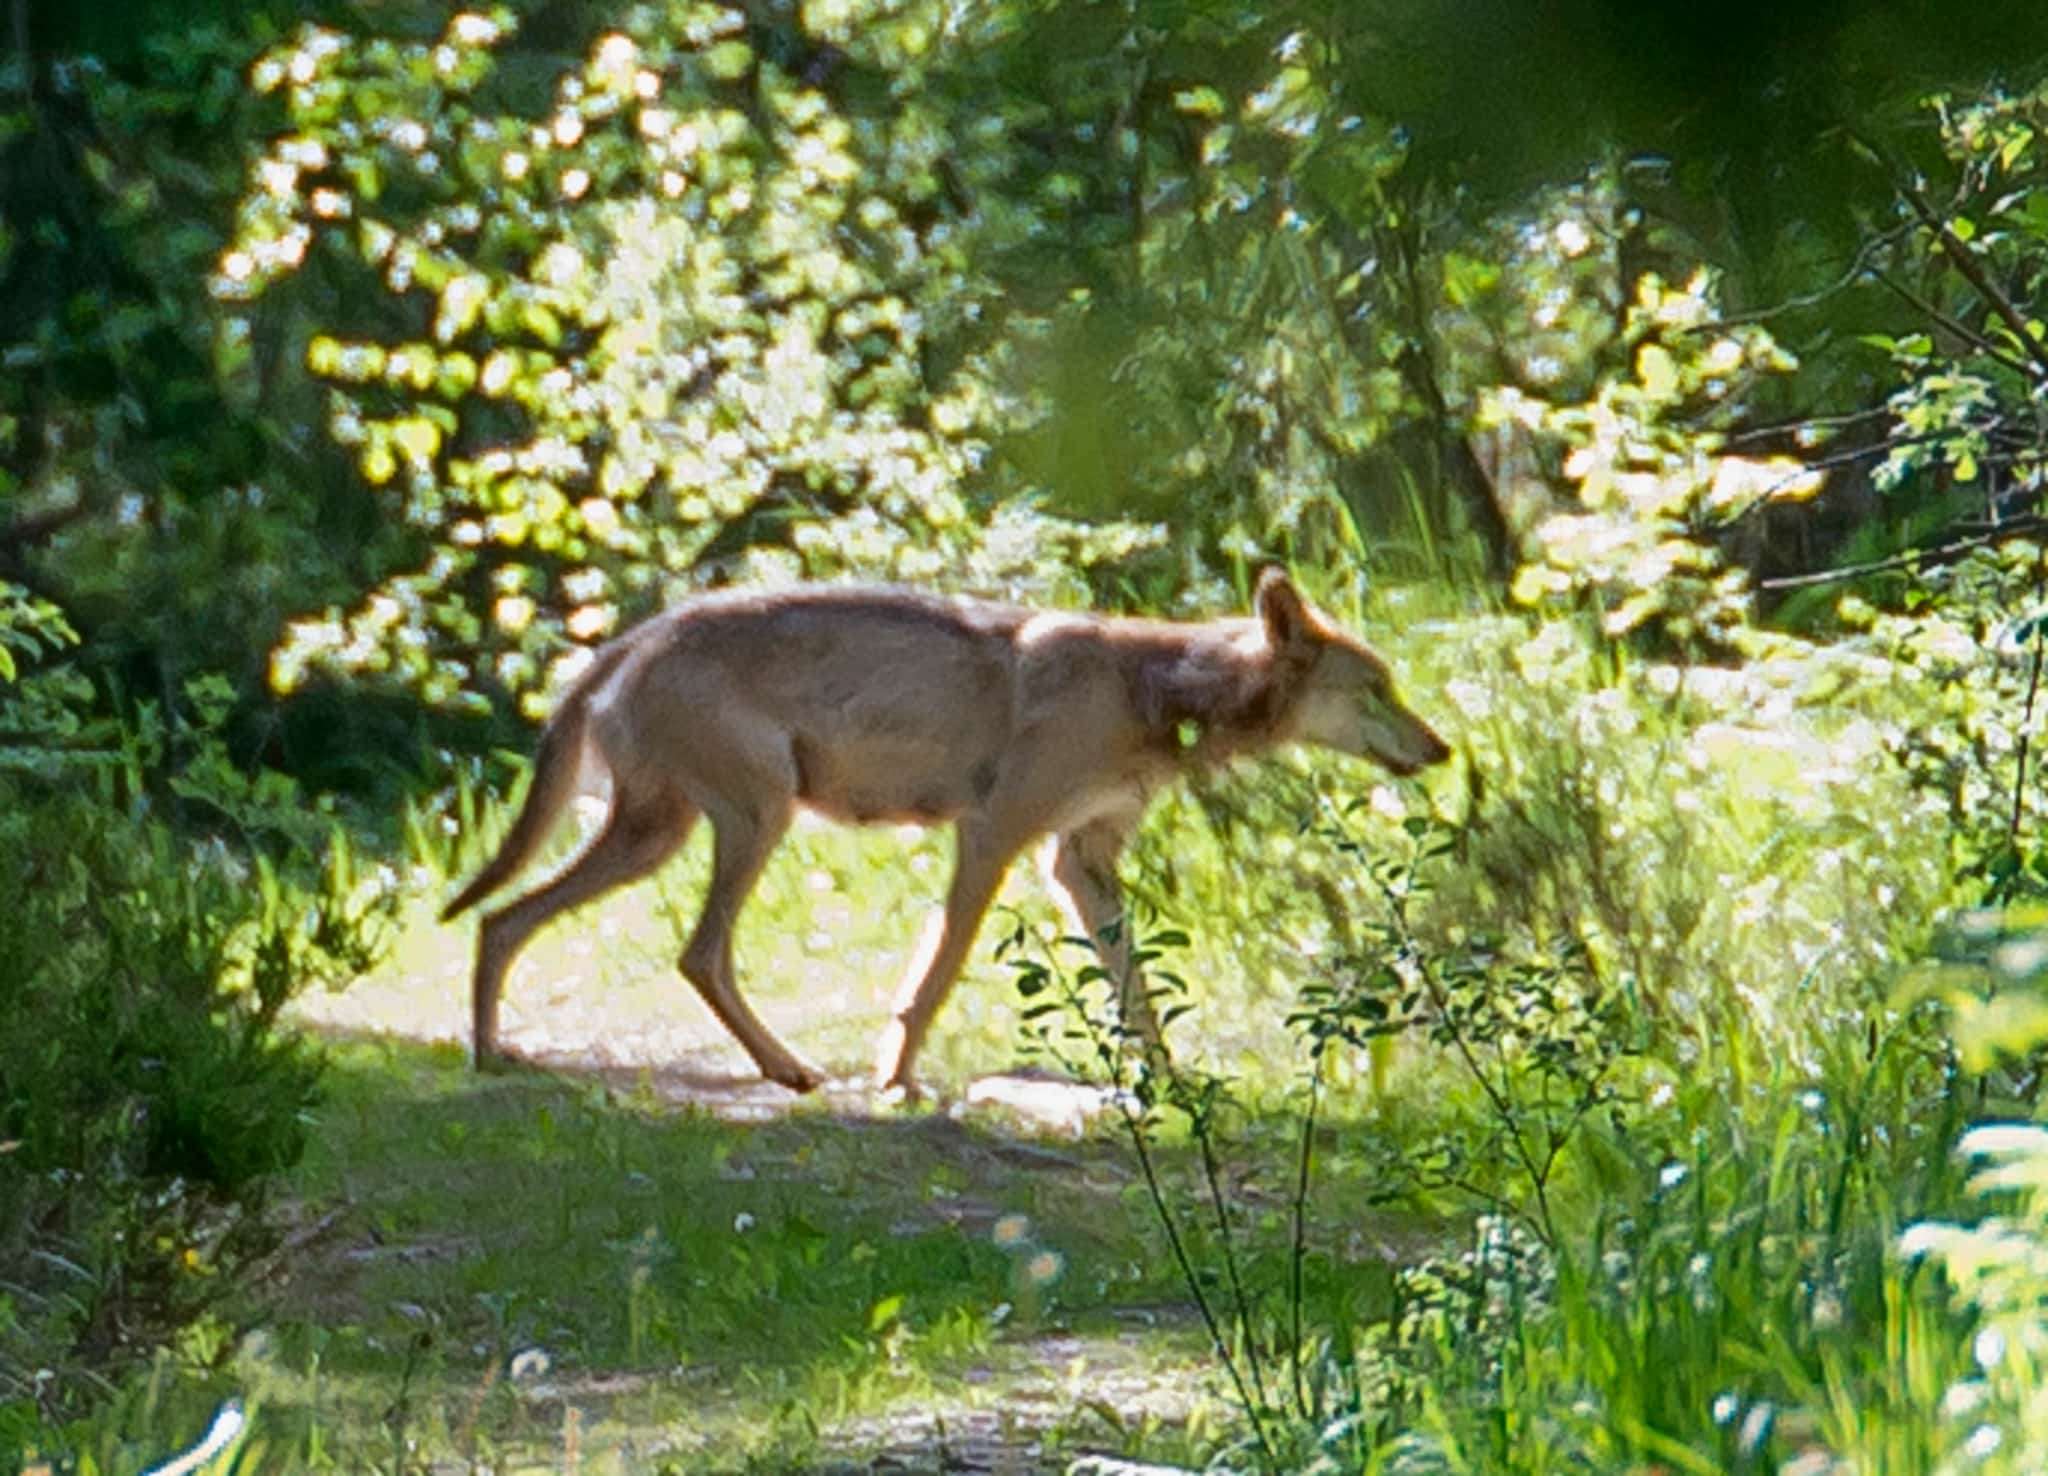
[{"x": 556, "y": 764}]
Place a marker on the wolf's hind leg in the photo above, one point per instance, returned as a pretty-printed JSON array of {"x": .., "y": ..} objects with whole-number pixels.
[
  {"x": 642, "y": 831},
  {"x": 742, "y": 842}
]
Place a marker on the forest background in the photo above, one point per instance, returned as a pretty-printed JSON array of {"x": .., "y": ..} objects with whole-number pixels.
[{"x": 1664, "y": 389}]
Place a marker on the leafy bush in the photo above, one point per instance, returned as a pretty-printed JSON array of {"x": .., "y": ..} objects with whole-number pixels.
[
  {"x": 1970, "y": 641},
  {"x": 1655, "y": 479},
  {"x": 147, "y": 1090},
  {"x": 670, "y": 316}
]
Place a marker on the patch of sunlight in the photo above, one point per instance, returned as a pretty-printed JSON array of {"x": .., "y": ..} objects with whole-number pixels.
[{"x": 821, "y": 946}]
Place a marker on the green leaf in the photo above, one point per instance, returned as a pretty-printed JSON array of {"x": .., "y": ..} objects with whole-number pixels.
[
  {"x": 884, "y": 1312},
  {"x": 728, "y": 61},
  {"x": 419, "y": 438},
  {"x": 542, "y": 322},
  {"x": 1658, "y": 371},
  {"x": 2015, "y": 147},
  {"x": 1468, "y": 278},
  {"x": 377, "y": 462}
]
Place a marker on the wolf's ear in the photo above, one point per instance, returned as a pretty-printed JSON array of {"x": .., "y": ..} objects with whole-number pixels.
[{"x": 1280, "y": 606}]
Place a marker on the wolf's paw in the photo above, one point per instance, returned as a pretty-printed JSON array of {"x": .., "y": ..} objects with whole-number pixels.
[
  {"x": 497, "y": 1060},
  {"x": 798, "y": 1077},
  {"x": 898, "y": 1092}
]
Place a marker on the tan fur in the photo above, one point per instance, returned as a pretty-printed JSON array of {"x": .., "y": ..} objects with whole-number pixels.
[{"x": 886, "y": 705}]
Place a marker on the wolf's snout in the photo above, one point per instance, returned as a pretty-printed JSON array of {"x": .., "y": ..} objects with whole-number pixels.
[{"x": 1418, "y": 748}]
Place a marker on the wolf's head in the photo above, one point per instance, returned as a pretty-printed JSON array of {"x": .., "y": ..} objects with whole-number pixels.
[{"x": 1346, "y": 700}]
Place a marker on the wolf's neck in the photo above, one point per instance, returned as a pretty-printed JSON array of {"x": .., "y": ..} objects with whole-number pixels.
[{"x": 1214, "y": 696}]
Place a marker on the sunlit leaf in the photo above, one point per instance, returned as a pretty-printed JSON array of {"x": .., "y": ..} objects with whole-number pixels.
[
  {"x": 1657, "y": 370},
  {"x": 885, "y": 1312}
]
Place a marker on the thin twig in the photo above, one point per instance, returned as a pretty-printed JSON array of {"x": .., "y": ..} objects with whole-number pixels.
[
  {"x": 2019, "y": 777},
  {"x": 1204, "y": 1140},
  {"x": 1881, "y": 448},
  {"x": 1133, "y": 1121},
  {"x": 1748, "y": 433},
  {"x": 1952, "y": 324},
  {"x": 2019, "y": 527},
  {"x": 1299, "y": 1253},
  {"x": 1841, "y": 283},
  {"x": 1503, "y": 1109},
  {"x": 33, "y": 528},
  {"x": 21, "y": 49},
  {"x": 1110, "y": 1052},
  {"x": 1972, "y": 271}
]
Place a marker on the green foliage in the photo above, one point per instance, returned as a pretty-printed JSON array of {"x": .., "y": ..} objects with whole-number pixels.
[
  {"x": 175, "y": 525},
  {"x": 1997, "y": 1267},
  {"x": 671, "y": 317},
  {"x": 1975, "y": 263},
  {"x": 1655, "y": 481},
  {"x": 1629, "y": 1000},
  {"x": 1972, "y": 645},
  {"x": 1228, "y": 353},
  {"x": 147, "y": 1091},
  {"x": 483, "y": 335},
  {"x": 29, "y": 628},
  {"x": 40, "y": 709},
  {"x": 1729, "y": 1308},
  {"x": 1539, "y": 1037}
]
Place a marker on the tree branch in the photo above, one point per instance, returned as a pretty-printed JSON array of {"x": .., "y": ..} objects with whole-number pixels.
[
  {"x": 1972, "y": 271},
  {"x": 25, "y": 532},
  {"x": 1858, "y": 264},
  {"x": 2018, "y": 528},
  {"x": 1956, "y": 326}
]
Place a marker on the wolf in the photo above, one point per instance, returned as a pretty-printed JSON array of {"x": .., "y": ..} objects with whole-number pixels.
[{"x": 876, "y": 704}]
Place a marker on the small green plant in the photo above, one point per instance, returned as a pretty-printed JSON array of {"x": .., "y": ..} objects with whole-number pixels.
[
  {"x": 1988, "y": 972},
  {"x": 1064, "y": 1019},
  {"x": 1970, "y": 636},
  {"x": 1537, "y": 1034},
  {"x": 1996, "y": 1418}
]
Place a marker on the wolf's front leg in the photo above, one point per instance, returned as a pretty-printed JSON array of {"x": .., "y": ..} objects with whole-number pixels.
[
  {"x": 1080, "y": 869},
  {"x": 978, "y": 867}
]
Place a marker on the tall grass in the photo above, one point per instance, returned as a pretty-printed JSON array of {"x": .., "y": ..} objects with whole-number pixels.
[{"x": 1642, "y": 962}]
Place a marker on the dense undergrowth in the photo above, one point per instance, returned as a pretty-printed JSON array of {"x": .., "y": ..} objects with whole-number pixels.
[
  {"x": 164, "y": 907},
  {"x": 1642, "y": 997}
]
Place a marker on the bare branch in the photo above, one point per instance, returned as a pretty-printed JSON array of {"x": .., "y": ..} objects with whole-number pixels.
[
  {"x": 1750, "y": 433},
  {"x": 2018, "y": 528},
  {"x": 1858, "y": 264}
]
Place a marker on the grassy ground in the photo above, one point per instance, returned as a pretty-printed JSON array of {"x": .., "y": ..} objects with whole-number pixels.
[{"x": 643, "y": 1258}]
